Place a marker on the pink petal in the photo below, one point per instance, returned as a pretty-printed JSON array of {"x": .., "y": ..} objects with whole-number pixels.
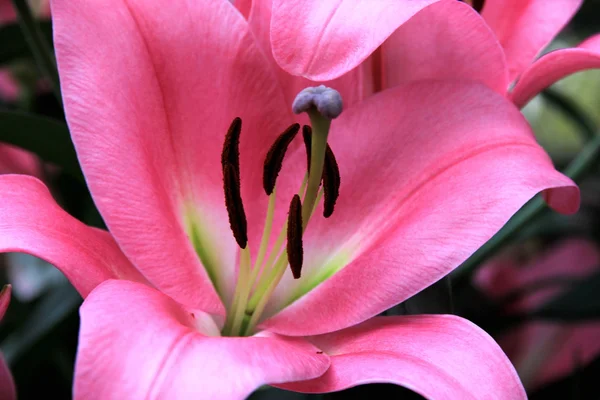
[
  {"x": 571, "y": 259},
  {"x": 7, "y": 384},
  {"x": 350, "y": 85},
  {"x": 545, "y": 351},
  {"x": 4, "y": 300},
  {"x": 135, "y": 343},
  {"x": 14, "y": 160},
  {"x": 243, "y": 6},
  {"x": 7, "y": 12},
  {"x": 437, "y": 356},
  {"x": 577, "y": 347},
  {"x": 9, "y": 88},
  {"x": 448, "y": 40},
  {"x": 149, "y": 94},
  {"x": 430, "y": 171},
  {"x": 31, "y": 222},
  {"x": 525, "y": 27},
  {"x": 554, "y": 66},
  {"x": 322, "y": 40}
]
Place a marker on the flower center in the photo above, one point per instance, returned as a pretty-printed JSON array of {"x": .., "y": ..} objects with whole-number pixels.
[{"x": 257, "y": 282}]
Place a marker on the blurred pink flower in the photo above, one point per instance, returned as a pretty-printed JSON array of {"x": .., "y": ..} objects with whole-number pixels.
[
  {"x": 430, "y": 171},
  {"x": 9, "y": 89},
  {"x": 14, "y": 160},
  {"x": 7, "y": 384},
  {"x": 543, "y": 351},
  {"x": 445, "y": 40},
  {"x": 7, "y": 12}
]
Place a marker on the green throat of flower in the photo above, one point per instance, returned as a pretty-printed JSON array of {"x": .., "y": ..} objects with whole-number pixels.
[{"x": 257, "y": 281}]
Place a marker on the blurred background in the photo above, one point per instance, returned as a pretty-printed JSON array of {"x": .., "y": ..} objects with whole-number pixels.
[{"x": 538, "y": 294}]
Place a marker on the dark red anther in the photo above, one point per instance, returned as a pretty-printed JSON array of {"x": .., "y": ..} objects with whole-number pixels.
[
  {"x": 235, "y": 207},
  {"x": 274, "y": 159},
  {"x": 331, "y": 182},
  {"x": 294, "y": 237},
  {"x": 231, "y": 146},
  {"x": 230, "y": 162}
]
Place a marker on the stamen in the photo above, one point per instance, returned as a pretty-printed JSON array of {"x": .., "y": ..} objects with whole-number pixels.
[
  {"x": 235, "y": 207},
  {"x": 294, "y": 237},
  {"x": 307, "y": 136},
  {"x": 274, "y": 159},
  {"x": 331, "y": 182},
  {"x": 231, "y": 146}
]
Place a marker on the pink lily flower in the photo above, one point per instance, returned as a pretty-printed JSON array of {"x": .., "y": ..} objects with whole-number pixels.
[
  {"x": 543, "y": 351},
  {"x": 9, "y": 89},
  {"x": 14, "y": 160},
  {"x": 445, "y": 40},
  {"x": 175, "y": 305},
  {"x": 7, "y": 12},
  {"x": 7, "y": 384}
]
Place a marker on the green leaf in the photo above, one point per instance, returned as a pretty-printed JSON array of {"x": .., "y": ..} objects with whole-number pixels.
[
  {"x": 580, "y": 302},
  {"x": 48, "y": 138},
  {"x": 14, "y": 46},
  {"x": 571, "y": 110}
]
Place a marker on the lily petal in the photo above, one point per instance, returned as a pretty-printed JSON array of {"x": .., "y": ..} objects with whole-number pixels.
[
  {"x": 525, "y": 27},
  {"x": 437, "y": 356},
  {"x": 572, "y": 259},
  {"x": 322, "y": 40},
  {"x": 149, "y": 94},
  {"x": 7, "y": 384},
  {"x": 430, "y": 172},
  {"x": 243, "y": 6},
  {"x": 31, "y": 222},
  {"x": 125, "y": 325},
  {"x": 350, "y": 85},
  {"x": 448, "y": 40},
  {"x": 7, "y": 12},
  {"x": 4, "y": 299},
  {"x": 14, "y": 160},
  {"x": 9, "y": 87},
  {"x": 554, "y": 66}
]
